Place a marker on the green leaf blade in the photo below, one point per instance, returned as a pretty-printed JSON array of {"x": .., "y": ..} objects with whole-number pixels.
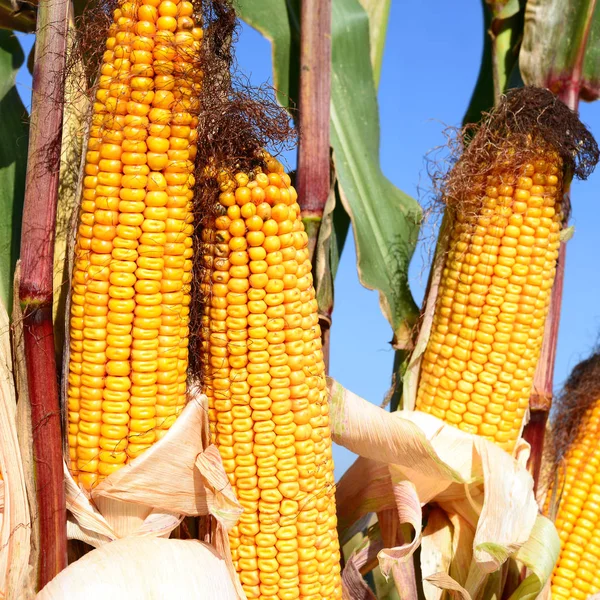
[
  {"x": 385, "y": 220},
  {"x": 13, "y": 161}
]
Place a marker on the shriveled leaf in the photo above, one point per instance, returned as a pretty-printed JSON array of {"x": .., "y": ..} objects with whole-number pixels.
[
  {"x": 24, "y": 427},
  {"x": 445, "y": 465},
  {"x": 463, "y": 535},
  {"x": 18, "y": 16},
  {"x": 561, "y": 48},
  {"x": 330, "y": 242},
  {"x": 365, "y": 487},
  {"x": 363, "y": 557},
  {"x": 539, "y": 554},
  {"x": 13, "y": 161},
  {"x": 408, "y": 507},
  {"x": 145, "y": 568},
  {"x": 444, "y": 582},
  {"x": 15, "y": 524},
  {"x": 436, "y": 550}
]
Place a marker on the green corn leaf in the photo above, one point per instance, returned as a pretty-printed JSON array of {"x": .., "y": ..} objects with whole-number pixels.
[
  {"x": 499, "y": 71},
  {"x": 13, "y": 161}
]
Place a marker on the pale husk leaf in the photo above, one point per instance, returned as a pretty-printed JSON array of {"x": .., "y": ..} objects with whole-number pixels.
[
  {"x": 445, "y": 582},
  {"x": 466, "y": 475},
  {"x": 354, "y": 586},
  {"x": 15, "y": 523},
  {"x": 436, "y": 550},
  {"x": 409, "y": 511},
  {"x": 24, "y": 428},
  {"x": 144, "y": 569},
  {"x": 374, "y": 493}
]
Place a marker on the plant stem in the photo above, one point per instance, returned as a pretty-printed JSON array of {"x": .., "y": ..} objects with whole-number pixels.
[
  {"x": 314, "y": 166},
  {"x": 35, "y": 291},
  {"x": 314, "y": 178}
]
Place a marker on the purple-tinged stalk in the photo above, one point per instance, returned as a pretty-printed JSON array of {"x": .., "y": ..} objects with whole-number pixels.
[
  {"x": 35, "y": 291},
  {"x": 314, "y": 165}
]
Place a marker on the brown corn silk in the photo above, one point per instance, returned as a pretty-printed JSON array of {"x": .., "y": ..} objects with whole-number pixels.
[
  {"x": 574, "y": 490},
  {"x": 132, "y": 273},
  {"x": 504, "y": 214},
  {"x": 265, "y": 380}
]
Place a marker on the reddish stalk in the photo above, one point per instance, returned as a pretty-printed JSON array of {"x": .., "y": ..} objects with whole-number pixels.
[
  {"x": 35, "y": 291},
  {"x": 314, "y": 170},
  {"x": 540, "y": 401}
]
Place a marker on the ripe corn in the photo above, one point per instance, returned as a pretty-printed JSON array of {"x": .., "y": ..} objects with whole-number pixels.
[
  {"x": 265, "y": 380},
  {"x": 131, "y": 280},
  {"x": 577, "y": 573},
  {"x": 493, "y": 299}
]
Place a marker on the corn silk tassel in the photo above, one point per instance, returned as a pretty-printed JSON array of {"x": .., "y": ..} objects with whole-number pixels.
[
  {"x": 504, "y": 215},
  {"x": 131, "y": 281}
]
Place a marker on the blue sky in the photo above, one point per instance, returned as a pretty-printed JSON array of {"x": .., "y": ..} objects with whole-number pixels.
[{"x": 430, "y": 67}]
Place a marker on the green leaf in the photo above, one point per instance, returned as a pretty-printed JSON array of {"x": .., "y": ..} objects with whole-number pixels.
[
  {"x": 13, "y": 161},
  {"x": 385, "y": 220},
  {"x": 561, "y": 48},
  {"x": 22, "y": 20},
  {"x": 279, "y": 22},
  {"x": 378, "y": 12},
  {"x": 499, "y": 71}
]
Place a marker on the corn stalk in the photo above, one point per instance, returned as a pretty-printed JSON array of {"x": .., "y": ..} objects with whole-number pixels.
[
  {"x": 35, "y": 292},
  {"x": 314, "y": 170}
]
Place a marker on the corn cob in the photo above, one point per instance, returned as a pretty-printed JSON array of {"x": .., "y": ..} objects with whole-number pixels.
[
  {"x": 576, "y": 574},
  {"x": 265, "y": 380},
  {"x": 494, "y": 294},
  {"x": 574, "y": 490},
  {"x": 131, "y": 280}
]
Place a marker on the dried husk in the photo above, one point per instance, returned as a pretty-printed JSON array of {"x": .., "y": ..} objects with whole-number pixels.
[
  {"x": 182, "y": 475},
  {"x": 15, "y": 524},
  {"x": 143, "y": 569},
  {"x": 486, "y": 495}
]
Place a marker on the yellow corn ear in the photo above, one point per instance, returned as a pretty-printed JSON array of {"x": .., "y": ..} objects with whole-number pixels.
[
  {"x": 265, "y": 380},
  {"x": 493, "y": 299},
  {"x": 576, "y": 574},
  {"x": 131, "y": 280}
]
